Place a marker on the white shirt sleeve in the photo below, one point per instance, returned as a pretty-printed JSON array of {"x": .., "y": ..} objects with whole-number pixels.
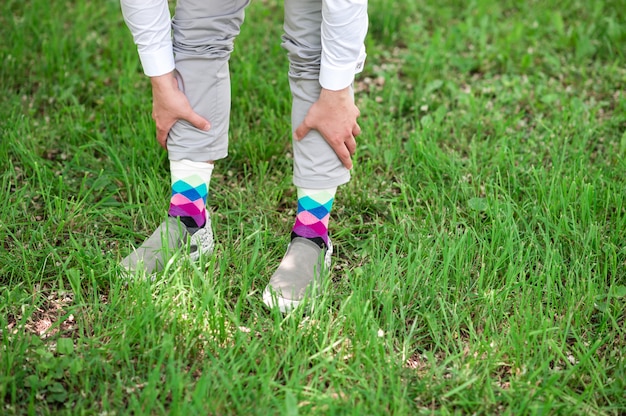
[
  {"x": 149, "y": 22},
  {"x": 344, "y": 26}
]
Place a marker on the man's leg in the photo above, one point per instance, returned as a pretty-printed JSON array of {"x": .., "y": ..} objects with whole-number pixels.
[
  {"x": 317, "y": 169},
  {"x": 203, "y": 37}
]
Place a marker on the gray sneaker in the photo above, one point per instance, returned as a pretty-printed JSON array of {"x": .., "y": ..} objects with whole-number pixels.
[
  {"x": 171, "y": 235},
  {"x": 300, "y": 273}
]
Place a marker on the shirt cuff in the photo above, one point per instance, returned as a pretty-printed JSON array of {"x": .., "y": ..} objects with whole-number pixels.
[
  {"x": 159, "y": 62},
  {"x": 337, "y": 78}
]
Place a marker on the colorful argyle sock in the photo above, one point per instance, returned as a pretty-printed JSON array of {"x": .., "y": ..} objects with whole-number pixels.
[
  {"x": 314, "y": 207},
  {"x": 190, "y": 188}
]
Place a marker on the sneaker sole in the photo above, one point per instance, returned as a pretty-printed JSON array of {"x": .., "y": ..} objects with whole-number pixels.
[{"x": 274, "y": 301}]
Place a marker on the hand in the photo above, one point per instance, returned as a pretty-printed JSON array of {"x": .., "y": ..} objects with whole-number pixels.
[
  {"x": 169, "y": 104},
  {"x": 334, "y": 116}
]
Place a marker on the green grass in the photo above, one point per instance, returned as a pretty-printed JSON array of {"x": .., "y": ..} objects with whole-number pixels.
[{"x": 480, "y": 262}]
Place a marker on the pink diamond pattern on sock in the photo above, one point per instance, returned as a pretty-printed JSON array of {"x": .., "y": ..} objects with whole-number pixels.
[
  {"x": 313, "y": 214},
  {"x": 189, "y": 195}
]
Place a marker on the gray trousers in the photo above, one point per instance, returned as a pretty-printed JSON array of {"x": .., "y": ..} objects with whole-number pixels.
[{"x": 204, "y": 32}]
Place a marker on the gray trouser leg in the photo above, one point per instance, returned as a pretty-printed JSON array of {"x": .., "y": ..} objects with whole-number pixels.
[
  {"x": 204, "y": 34},
  {"x": 316, "y": 166}
]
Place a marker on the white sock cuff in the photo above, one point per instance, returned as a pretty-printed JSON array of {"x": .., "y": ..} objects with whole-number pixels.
[
  {"x": 328, "y": 193},
  {"x": 180, "y": 169}
]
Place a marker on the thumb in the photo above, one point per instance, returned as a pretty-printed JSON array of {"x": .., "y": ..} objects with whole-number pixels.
[
  {"x": 301, "y": 131},
  {"x": 198, "y": 121}
]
